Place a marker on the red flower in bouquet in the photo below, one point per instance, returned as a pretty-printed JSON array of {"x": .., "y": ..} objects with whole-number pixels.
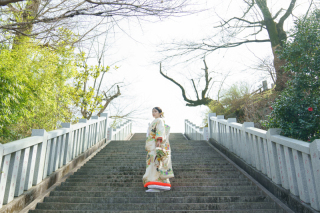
[{"x": 310, "y": 109}]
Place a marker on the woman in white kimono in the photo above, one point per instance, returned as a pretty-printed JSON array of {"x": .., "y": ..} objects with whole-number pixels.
[{"x": 159, "y": 167}]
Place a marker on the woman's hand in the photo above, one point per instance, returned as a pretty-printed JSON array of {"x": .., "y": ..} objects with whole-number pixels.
[{"x": 158, "y": 143}]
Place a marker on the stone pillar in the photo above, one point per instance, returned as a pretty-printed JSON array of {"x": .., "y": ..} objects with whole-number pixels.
[
  {"x": 41, "y": 155},
  {"x": 246, "y": 146},
  {"x": 264, "y": 85},
  {"x": 272, "y": 151},
  {"x": 229, "y": 134},
  {"x": 96, "y": 133},
  {"x": 109, "y": 136},
  {"x": 69, "y": 143},
  {"x": 206, "y": 133},
  {"x": 315, "y": 161},
  {"x": 209, "y": 124},
  {"x": 218, "y": 128},
  {"x": 86, "y": 134}
]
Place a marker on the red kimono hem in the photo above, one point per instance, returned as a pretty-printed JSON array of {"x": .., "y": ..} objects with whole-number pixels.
[{"x": 157, "y": 183}]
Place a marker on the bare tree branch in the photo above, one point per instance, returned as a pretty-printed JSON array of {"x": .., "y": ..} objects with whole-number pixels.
[
  {"x": 204, "y": 100},
  {"x": 108, "y": 100},
  {"x": 288, "y": 12},
  {"x": 207, "y": 80},
  {"x": 6, "y": 2},
  {"x": 195, "y": 89},
  {"x": 69, "y": 14}
]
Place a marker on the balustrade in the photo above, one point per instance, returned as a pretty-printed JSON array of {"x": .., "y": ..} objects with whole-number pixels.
[
  {"x": 26, "y": 162},
  {"x": 293, "y": 164}
]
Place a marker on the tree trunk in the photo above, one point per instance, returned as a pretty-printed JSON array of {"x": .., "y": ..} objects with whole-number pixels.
[
  {"x": 28, "y": 14},
  {"x": 277, "y": 37},
  {"x": 281, "y": 75}
]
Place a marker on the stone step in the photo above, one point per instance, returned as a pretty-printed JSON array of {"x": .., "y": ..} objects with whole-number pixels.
[
  {"x": 164, "y": 194},
  {"x": 176, "y": 173},
  {"x": 120, "y": 162},
  {"x": 177, "y": 176},
  {"x": 143, "y": 163},
  {"x": 186, "y": 174},
  {"x": 154, "y": 206},
  {"x": 138, "y": 179},
  {"x": 188, "y": 199},
  {"x": 141, "y": 188},
  {"x": 99, "y": 167},
  {"x": 138, "y": 184},
  {"x": 157, "y": 211},
  {"x": 144, "y": 156},
  {"x": 140, "y": 171}
]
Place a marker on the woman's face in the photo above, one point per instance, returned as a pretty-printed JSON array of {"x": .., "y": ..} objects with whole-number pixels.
[{"x": 155, "y": 113}]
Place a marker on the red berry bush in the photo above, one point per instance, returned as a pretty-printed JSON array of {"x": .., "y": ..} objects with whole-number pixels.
[{"x": 297, "y": 109}]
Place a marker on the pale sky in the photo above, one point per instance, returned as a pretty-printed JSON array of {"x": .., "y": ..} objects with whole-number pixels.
[{"x": 137, "y": 47}]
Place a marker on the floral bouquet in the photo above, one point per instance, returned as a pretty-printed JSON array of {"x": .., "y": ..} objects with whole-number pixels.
[{"x": 160, "y": 153}]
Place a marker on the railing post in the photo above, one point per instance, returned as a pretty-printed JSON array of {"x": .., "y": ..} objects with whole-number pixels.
[
  {"x": 69, "y": 143},
  {"x": 247, "y": 147},
  {"x": 114, "y": 135},
  {"x": 219, "y": 128},
  {"x": 272, "y": 151},
  {"x": 121, "y": 132},
  {"x": 96, "y": 133},
  {"x": 229, "y": 133},
  {"x": 185, "y": 127},
  {"x": 206, "y": 133},
  {"x": 3, "y": 175},
  {"x": 41, "y": 155},
  {"x": 86, "y": 134},
  {"x": 105, "y": 135},
  {"x": 110, "y": 130},
  {"x": 209, "y": 124},
  {"x": 315, "y": 161}
]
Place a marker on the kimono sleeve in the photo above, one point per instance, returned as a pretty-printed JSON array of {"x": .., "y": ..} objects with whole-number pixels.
[{"x": 160, "y": 134}]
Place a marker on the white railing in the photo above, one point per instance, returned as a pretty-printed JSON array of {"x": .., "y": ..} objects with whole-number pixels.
[
  {"x": 121, "y": 132},
  {"x": 26, "y": 162},
  {"x": 195, "y": 132},
  {"x": 293, "y": 164}
]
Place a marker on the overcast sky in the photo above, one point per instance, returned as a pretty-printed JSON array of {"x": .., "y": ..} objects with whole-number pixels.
[{"x": 137, "y": 45}]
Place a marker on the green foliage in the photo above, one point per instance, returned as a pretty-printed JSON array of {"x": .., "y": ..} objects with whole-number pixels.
[
  {"x": 234, "y": 98},
  {"x": 297, "y": 110},
  {"x": 34, "y": 93},
  {"x": 257, "y": 107},
  {"x": 231, "y": 103},
  {"x": 89, "y": 97}
]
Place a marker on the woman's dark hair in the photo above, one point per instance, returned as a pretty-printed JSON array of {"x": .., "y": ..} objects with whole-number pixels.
[{"x": 159, "y": 110}]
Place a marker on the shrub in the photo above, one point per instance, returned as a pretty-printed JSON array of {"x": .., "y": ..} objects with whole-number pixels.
[{"x": 297, "y": 109}]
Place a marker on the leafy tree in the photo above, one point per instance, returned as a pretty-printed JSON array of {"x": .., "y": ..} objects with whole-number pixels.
[
  {"x": 92, "y": 98},
  {"x": 297, "y": 110},
  {"x": 231, "y": 102},
  {"x": 34, "y": 88}
]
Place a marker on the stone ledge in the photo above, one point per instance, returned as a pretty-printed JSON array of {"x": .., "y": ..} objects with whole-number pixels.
[
  {"x": 19, "y": 203},
  {"x": 284, "y": 195}
]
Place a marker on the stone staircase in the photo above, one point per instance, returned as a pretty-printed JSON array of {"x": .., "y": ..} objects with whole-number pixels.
[{"x": 112, "y": 182}]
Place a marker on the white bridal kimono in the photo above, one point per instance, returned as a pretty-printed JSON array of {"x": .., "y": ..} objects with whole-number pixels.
[{"x": 158, "y": 170}]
